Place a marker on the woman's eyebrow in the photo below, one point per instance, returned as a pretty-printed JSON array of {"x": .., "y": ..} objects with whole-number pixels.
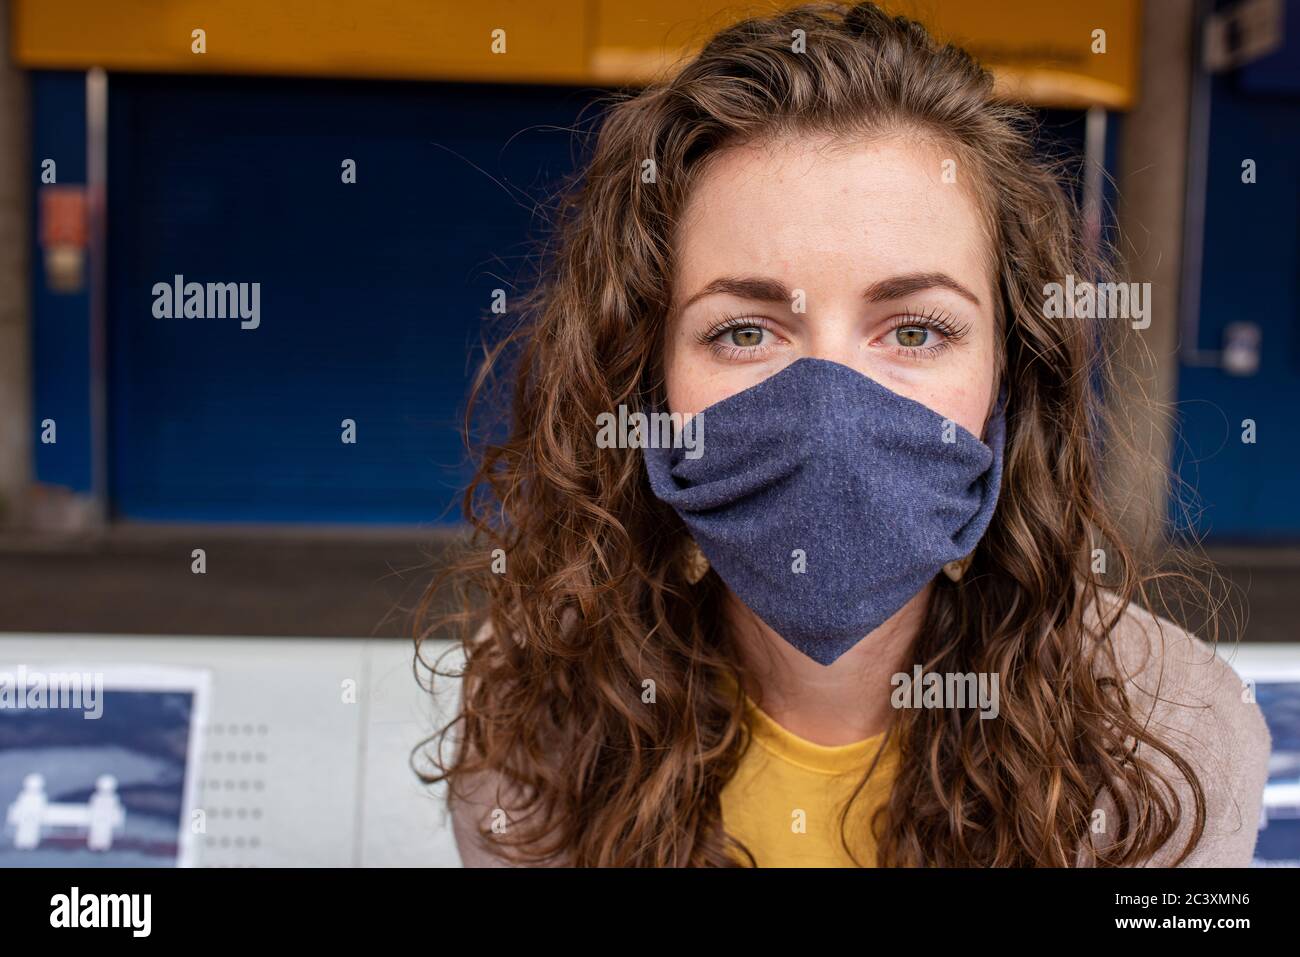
[
  {"x": 766, "y": 289},
  {"x": 756, "y": 288},
  {"x": 898, "y": 287}
]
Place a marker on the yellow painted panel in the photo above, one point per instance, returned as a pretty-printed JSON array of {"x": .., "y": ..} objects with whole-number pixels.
[
  {"x": 1043, "y": 51},
  {"x": 641, "y": 42},
  {"x": 1040, "y": 50},
  {"x": 436, "y": 39}
]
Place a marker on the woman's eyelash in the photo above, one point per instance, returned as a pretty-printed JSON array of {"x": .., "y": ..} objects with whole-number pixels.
[
  {"x": 933, "y": 319},
  {"x": 729, "y": 322}
]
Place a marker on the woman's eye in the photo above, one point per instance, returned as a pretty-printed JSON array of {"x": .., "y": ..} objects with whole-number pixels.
[
  {"x": 735, "y": 340},
  {"x": 746, "y": 337},
  {"x": 911, "y": 337}
]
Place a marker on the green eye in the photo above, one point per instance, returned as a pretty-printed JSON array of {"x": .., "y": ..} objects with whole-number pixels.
[
  {"x": 911, "y": 336},
  {"x": 747, "y": 336}
]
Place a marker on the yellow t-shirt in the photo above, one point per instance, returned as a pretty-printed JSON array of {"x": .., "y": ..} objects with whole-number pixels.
[{"x": 785, "y": 799}]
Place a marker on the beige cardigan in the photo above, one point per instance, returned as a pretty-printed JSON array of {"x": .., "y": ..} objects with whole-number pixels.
[{"x": 1194, "y": 701}]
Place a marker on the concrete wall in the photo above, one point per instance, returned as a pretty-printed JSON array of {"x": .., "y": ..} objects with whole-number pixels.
[{"x": 1151, "y": 183}]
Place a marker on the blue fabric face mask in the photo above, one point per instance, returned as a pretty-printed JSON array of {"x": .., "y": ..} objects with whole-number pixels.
[{"x": 826, "y": 501}]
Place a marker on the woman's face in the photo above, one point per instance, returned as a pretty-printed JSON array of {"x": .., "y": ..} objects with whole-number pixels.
[{"x": 862, "y": 255}]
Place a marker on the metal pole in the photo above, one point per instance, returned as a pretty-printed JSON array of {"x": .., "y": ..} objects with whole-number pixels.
[{"x": 97, "y": 240}]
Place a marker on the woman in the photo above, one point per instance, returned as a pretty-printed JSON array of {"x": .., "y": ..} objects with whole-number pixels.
[{"x": 865, "y": 603}]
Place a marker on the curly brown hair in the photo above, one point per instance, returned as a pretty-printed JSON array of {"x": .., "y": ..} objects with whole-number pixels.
[{"x": 594, "y": 600}]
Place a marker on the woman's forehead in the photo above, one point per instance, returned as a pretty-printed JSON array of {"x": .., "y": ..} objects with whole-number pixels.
[{"x": 799, "y": 207}]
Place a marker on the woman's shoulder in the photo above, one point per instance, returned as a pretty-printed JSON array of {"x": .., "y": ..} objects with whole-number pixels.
[{"x": 1189, "y": 696}]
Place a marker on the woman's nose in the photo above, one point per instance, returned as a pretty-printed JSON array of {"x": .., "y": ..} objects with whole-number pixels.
[{"x": 836, "y": 340}]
